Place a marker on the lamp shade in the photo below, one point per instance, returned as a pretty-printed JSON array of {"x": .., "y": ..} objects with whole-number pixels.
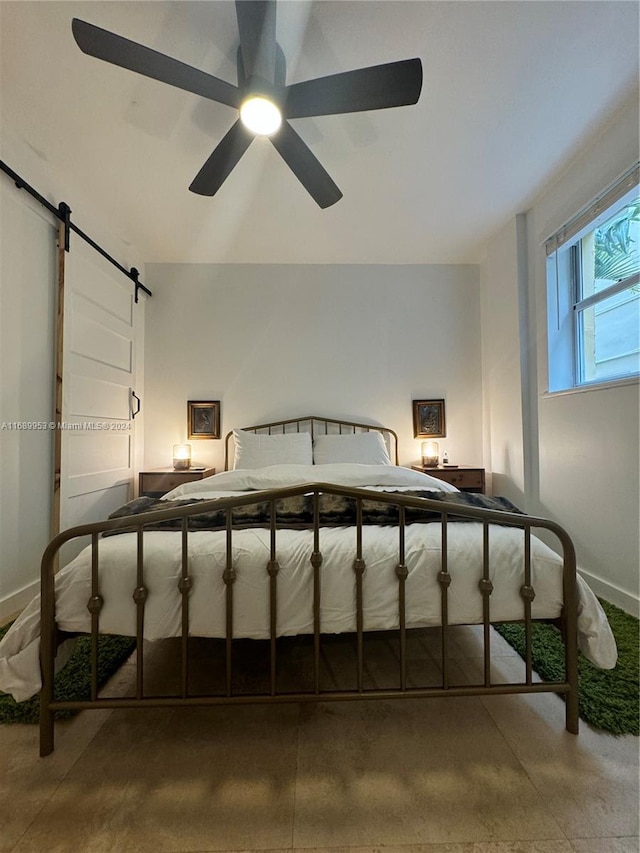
[
  {"x": 181, "y": 456},
  {"x": 430, "y": 454}
]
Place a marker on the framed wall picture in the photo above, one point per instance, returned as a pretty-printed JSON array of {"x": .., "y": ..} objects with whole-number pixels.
[
  {"x": 428, "y": 419},
  {"x": 203, "y": 419}
]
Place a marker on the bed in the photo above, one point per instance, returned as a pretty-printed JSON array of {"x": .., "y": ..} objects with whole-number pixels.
[{"x": 312, "y": 530}]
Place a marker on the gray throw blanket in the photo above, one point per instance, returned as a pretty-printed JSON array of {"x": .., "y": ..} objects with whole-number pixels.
[{"x": 296, "y": 512}]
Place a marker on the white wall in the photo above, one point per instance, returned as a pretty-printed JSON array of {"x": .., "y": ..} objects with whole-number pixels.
[
  {"x": 272, "y": 341},
  {"x": 581, "y": 449}
]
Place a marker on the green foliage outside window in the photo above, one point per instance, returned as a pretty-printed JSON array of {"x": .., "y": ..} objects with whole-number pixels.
[{"x": 616, "y": 249}]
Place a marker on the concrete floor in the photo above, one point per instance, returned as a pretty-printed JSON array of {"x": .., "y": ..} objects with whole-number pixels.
[{"x": 452, "y": 775}]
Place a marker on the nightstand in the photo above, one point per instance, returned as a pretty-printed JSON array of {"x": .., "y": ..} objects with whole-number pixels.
[
  {"x": 158, "y": 482},
  {"x": 465, "y": 479}
]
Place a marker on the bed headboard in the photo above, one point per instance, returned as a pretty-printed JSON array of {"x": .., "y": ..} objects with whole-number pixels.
[{"x": 316, "y": 426}]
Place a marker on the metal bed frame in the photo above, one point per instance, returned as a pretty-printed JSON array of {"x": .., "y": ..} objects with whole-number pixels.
[
  {"x": 51, "y": 636},
  {"x": 317, "y": 426}
]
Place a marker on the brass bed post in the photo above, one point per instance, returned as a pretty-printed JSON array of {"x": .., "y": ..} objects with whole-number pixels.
[
  {"x": 273, "y": 568},
  {"x": 47, "y": 648},
  {"x": 359, "y": 566},
  {"x": 227, "y": 438},
  {"x": 402, "y": 572},
  {"x": 184, "y": 586},
  {"x": 570, "y": 622}
]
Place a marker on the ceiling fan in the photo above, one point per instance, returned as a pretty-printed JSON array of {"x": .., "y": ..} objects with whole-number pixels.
[{"x": 262, "y": 97}]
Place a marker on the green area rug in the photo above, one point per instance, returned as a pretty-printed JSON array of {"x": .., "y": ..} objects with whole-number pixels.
[
  {"x": 74, "y": 679},
  {"x": 607, "y": 698}
]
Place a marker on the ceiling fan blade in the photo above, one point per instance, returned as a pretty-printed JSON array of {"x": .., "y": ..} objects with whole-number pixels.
[
  {"x": 395, "y": 84},
  {"x": 257, "y": 27},
  {"x": 222, "y": 161},
  {"x": 136, "y": 57},
  {"x": 305, "y": 166}
]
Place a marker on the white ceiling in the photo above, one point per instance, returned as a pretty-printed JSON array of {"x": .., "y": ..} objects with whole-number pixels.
[{"x": 510, "y": 90}]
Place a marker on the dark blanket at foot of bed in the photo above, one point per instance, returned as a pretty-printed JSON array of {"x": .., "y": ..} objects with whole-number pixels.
[{"x": 297, "y": 512}]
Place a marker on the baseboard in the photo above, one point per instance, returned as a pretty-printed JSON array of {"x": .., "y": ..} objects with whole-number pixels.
[
  {"x": 12, "y": 605},
  {"x": 613, "y": 594}
]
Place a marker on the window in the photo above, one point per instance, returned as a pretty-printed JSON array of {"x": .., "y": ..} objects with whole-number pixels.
[{"x": 593, "y": 275}]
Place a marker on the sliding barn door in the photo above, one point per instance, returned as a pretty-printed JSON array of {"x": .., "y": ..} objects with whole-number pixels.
[{"x": 101, "y": 369}]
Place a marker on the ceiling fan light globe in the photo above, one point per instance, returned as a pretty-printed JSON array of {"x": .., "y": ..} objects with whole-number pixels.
[{"x": 260, "y": 115}]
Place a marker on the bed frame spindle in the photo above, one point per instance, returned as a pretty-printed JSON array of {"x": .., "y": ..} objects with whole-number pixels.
[
  {"x": 528, "y": 594},
  {"x": 359, "y": 567},
  {"x": 402, "y": 572},
  {"x": 486, "y": 588},
  {"x": 94, "y": 606},
  {"x": 140, "y": 596},
  {"x": 316, "y": 562},
  {"x": 444, "y": 579},
  {"x": 184, "y": 586},
  {"x": 273, "y": 568},
  {"x": 229, "y": 576}
]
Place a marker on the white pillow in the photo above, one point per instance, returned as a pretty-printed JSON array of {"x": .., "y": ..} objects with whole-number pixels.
[
  {"x": 365, "y": 448},
  {"x": 258, "y": 451}
]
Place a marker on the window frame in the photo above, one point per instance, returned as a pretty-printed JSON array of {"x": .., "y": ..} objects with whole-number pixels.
[{"x": 565, "y": 304}]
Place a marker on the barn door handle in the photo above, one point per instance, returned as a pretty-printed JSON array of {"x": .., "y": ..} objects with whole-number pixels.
[{"x": 137, "y": 411}]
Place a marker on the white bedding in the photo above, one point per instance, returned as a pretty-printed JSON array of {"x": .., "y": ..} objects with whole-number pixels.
[
  {"x": 19, "y": 667},
  {"x": 278, "y": 476}
]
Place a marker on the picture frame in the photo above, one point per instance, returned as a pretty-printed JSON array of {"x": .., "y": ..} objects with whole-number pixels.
[
  {"x": 429, "y": 419},
  {"x": 203, "y": 419}
]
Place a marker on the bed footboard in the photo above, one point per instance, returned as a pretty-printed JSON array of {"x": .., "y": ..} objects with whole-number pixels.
[{"x": 404, "y": 503}]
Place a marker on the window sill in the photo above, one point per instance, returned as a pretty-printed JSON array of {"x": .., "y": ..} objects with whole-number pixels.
[{"x": 596, "y": 386}]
